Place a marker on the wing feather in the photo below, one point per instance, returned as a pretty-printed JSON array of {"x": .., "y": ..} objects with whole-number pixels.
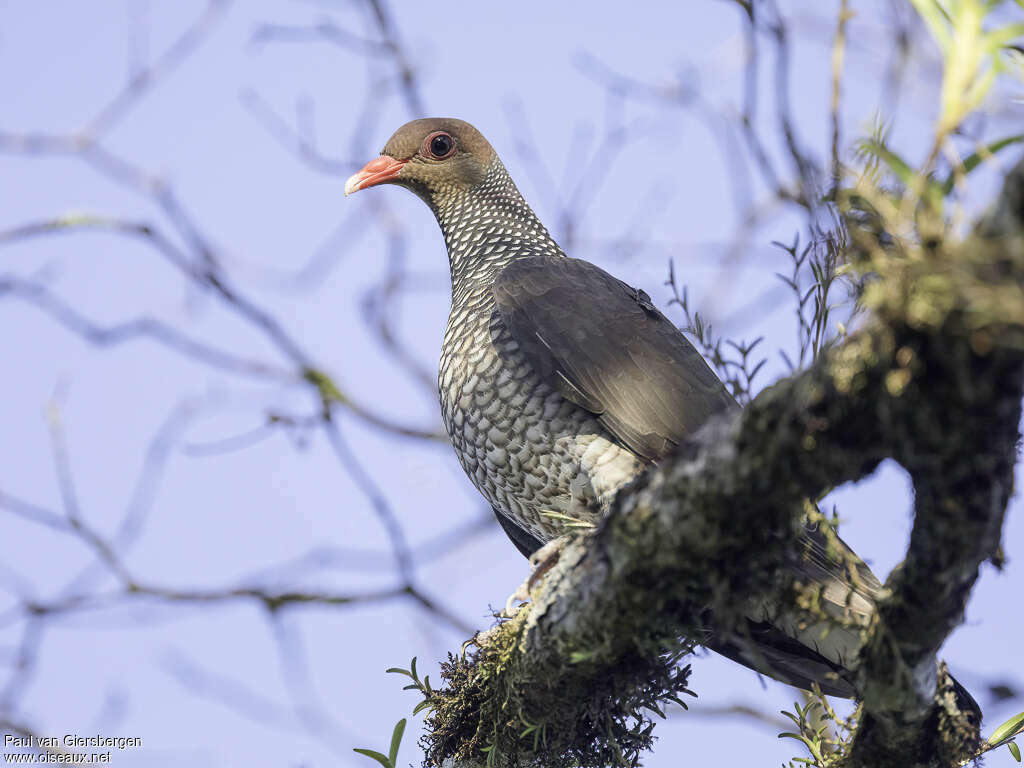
[{"x": 605, "y": 347}]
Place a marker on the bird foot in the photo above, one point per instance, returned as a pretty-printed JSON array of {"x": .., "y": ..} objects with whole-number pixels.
[{"x": 541, "y": 561}]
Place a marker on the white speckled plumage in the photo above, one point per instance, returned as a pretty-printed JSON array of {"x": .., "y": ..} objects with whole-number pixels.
[
  {"x": 526, "y": 448},
  {"x": 559, "y": 383}
]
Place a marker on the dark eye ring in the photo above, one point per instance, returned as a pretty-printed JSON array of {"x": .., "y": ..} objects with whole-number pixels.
[{"x": 439, "y": 145}]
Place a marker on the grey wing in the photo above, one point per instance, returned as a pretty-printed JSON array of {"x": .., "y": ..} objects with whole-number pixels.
[
  {"x": 789, "y": 648},
  {"x": 848, "y": 587},
  {"x": 605, "y": 347}
]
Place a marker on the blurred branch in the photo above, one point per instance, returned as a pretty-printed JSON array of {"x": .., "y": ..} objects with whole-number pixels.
[
  {"x": 442, "y": 544},
  {"x": 585, "y": 177},
  {"x": 292, "y": 658},
  {"x": 109, "y": 579},
  {"x": 23, "y": 665},
  {"x": 808, "y": 174},
  {"x": 742, "y": 711},
  {"x": 372, "y": 492},
  {"x": 39, "y": 295},
  {"x": 838, "y": 54},
  {"x": 380, "y": 300},
  {"x": 407, "y": 76},
  {"x": 140, "y": 83},
  {"x": 325, "y": 30},
  {"x": 300, "y": 144},
  {"x": 380, "y": 304},
  {"x": 211, "y": 277},
  {"x": 143, "y": 80},
  {"x": 131, "y": 586},
  {"x": 233, "y": 694}
]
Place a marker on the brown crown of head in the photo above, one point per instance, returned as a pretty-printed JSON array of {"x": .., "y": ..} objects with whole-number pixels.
[{"x": 430, "y": 156}]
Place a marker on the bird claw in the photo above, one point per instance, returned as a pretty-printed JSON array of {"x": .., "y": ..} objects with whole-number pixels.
[
  {"x": 516, "y": 600},
  {"x": 541, "y": 561}
]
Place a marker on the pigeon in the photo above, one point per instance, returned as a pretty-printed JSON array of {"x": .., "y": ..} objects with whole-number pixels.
[{"x": 560, "y": 383}]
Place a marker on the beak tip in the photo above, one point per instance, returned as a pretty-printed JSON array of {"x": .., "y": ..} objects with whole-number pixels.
[{"x": 380, "y": 170}]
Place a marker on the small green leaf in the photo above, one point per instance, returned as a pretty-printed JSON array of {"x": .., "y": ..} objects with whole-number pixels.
[
  {"x": 677, "y": 700},
  {"x": 900, "y": 167},
  {"x": 375, "y": 755},
  {"x": 425, "y": 704},
  {"x": 396, "y": 741},
  {"x": 935, "y": 17},
  {"x": 975, "y": 159},
  {"x": 931, "y": 191},
  {"x": 791, "y": 716},
  {"x": 1007, "y": 730},
  {"x": 1000, "y": 37},
  {"x": 329, "y": 392},
  {"x": 1014, "y": 750}
]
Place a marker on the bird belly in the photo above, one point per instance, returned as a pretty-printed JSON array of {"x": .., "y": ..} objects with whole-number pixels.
[{"x": 543, "y": 461}]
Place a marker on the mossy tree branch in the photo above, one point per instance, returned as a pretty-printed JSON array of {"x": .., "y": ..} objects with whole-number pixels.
[
  {"x": 963, "y": 426},
  {"x": 934, "y": 380}
]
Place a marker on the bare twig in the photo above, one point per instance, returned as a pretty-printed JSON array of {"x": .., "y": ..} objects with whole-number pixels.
[
  {"x": 838, "y": 53},
  {"x": 39, "y": 295}
]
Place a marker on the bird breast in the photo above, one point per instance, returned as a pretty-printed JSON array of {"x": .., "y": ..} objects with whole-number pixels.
[{"x": 538, "y": 458}]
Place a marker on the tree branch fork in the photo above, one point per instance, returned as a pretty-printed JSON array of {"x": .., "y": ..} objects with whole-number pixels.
[{"x": 938, "y": 391}]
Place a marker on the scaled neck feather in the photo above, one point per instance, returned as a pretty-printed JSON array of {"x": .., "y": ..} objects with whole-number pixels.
[{"x": 485, "y": 228}]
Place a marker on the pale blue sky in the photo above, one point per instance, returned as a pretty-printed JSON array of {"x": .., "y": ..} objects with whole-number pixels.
[{"x": 218, "y": 519}]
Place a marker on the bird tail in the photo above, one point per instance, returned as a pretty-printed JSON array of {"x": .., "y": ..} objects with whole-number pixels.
[{"x": 964, "y": 701}]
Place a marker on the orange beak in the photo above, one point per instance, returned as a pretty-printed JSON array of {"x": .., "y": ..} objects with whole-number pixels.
[{"x": 377, "y": 171}]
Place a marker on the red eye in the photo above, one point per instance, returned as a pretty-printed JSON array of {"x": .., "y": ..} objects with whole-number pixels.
[{"x": 438, "y": 145}]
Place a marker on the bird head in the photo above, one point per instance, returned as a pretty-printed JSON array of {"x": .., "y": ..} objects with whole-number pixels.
[{"x": 434, "y": 157}]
